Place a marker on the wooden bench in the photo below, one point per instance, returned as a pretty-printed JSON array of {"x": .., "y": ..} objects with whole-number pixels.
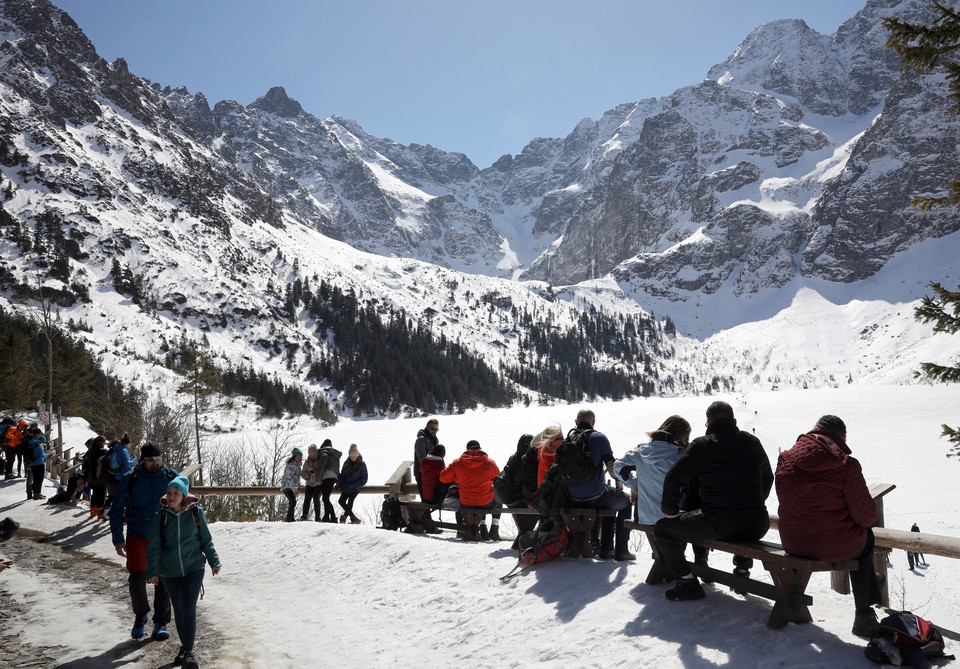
[
  {"x": 471, "y": 518},
  {"x": 790, "y": 574}
]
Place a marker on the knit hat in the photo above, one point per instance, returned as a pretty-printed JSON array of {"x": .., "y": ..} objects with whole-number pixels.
[
  {"x": 297, "y": 452},
  {"x": 149, "y": 450},
  {"x": 326, "y": 444},
  {"x": 8, "y": 527},
  {"x": 312, "y": 449},
  {"x": 353, "y": 450},
  {"x": 181, "y": 483},
  {"x": 833, "y": 424},
  {"x": 473, "y": 445}
]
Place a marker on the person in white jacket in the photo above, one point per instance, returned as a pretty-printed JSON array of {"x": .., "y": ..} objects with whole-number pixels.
[{"x": 290, "y": 482}]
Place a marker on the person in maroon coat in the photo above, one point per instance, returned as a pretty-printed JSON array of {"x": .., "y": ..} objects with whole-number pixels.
[{"x": 826, "y": 510}]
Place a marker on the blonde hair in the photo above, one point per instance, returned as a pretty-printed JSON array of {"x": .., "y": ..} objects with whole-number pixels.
[{"x": 548, "y": 434}]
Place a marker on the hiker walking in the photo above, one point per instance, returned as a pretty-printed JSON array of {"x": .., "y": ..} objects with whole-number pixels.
[
  {"x": 179, "y": 543},
  {"x": 917, "y": 554},
  {"x": 353, "y": 477},
  {"x": 137, "y": 500},
  {"x": 91, "y": 462}
]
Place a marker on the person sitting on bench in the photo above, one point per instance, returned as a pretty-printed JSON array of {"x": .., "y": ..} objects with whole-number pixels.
[
  {"x": 474, "y": 472},
  {"x": 735, "y": 479},
  {"x": 826, "y": 511}
]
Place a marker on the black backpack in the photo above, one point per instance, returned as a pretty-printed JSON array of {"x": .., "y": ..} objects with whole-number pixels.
[
  {"x": 507, "y": 486},
  {"x": 391, "y": 515},
  {"x": 575, "y": 466}
]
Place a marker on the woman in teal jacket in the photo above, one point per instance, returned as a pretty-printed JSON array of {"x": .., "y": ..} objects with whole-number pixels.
[{"x": 176, "y": 557}]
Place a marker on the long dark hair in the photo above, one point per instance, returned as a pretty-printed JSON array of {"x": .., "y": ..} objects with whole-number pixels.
[{"x": 678, "y": 428}]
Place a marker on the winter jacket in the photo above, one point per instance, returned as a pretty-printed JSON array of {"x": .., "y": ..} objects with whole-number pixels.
[
  {"x": 734, "y": 472},
  {"x": 430, "y": 468},
  {"x": 291, "y": 476},
  {"x": 513, "y": 471},
  {"x": 529, "y": 466},
  {"x": 474, "y": 472},
  {"x": 329, "y": 459},
  {"x": 123, "y": 459},
  {"x": 143, "y": 502},
  {"x": 186, "y": 542},
  {"x": 545, "y": 458},
  {"x": 651, "y": 461},
  {"x": 825, "y": 506},
  {"x": 423, "y": 445},
  {"x": 353, "y": 476},
  {"x": 90, "y": 460},
  {"x": 601, "y": 452},
  {"x": 35, "y": 454},
  {"x": 310, "y": 472}
]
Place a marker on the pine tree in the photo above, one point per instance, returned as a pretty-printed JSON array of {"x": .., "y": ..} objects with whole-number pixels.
[
  {"x": 924, "y": 49},
  {"x": 943, "y": 311}
]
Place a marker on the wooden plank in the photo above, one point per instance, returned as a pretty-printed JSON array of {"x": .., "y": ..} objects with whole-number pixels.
[
  {"x": 920, "y": 542},
  {"x": 264, "y": 490}
]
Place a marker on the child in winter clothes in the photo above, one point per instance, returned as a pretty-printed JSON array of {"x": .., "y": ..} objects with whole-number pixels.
[
  {"x": 311, "y": 475},
  {"x": 290, "y": 482},
  {"x": 179, "y": 543},
  {"x": 329, "y": 459},
  {"x": 352, "y": 479}
]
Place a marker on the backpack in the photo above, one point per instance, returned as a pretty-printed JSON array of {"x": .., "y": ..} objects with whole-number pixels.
[
  {"x": 505, "y": 489},
  {"x": 575, "y": 466},
  {"x": 391, "y": 515},
  {"x": 108, "y": 466},
  {"x": 539, "y": 546},
  {"x": 136, "y": 472},
  {"x": 902, "y": 636}
]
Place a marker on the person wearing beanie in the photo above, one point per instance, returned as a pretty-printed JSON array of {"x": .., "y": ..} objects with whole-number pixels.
[
  {"x": 136, "y": 502},
  {"x": 118, "y": 466},
  {"x": 353, "y": 477},
  {"x": 180, "y": 543},
  {"x": 310, "y": 473},
  {"x": 826, "y": 511},
  {"x": 35, "y": 450},
  {"x": 474, "y": 472},
  {"x": 290, "y": 482}
]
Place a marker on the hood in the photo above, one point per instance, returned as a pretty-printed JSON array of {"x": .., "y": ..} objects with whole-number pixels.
[
  {"x": 474, "y": 458},
  {"x": 812, "y": 453},
  {"x": 657, "y": 450},
  {"x": 330, "y": 450},
  {"x": 434, "y": 457}
]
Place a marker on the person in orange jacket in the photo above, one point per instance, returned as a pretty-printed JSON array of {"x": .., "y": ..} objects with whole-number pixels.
[
  {"x": 474, "y": 472},
  {"x": 15, "y": 434}
]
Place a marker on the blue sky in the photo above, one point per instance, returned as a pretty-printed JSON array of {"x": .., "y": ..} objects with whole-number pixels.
[{"x": 482, "y": 78}]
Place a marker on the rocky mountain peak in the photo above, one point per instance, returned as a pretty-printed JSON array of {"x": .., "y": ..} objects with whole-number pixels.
[{"x": 276, "y": 101}]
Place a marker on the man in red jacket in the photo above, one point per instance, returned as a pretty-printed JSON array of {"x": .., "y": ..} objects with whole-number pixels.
[
  {"x": 474, "y": 472},
  {"x": 826, "y": 510}
]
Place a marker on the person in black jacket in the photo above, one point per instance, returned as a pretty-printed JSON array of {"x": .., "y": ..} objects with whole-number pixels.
[
  {"x": 513, "y": 473},
  {"x": 734, "y": 480}
]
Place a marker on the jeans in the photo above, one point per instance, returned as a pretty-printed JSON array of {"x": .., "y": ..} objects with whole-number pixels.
[
  {"x": 674, "y": 533},
  {"x": 613, "y": 534},
  {"x": 184, "y": 592}
]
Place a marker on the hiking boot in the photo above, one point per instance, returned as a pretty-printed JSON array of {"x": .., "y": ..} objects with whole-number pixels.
[
  {"x": 484, "y": 533},
  {"x": 138, "y": 624},
  {"x": 625, "y": 556},
  {"x": 685, "y": 590},
  {"x": 355, "y": 521},
  {"x": 343, "y": 519},
  {"x": 607, "y": 554},
  {"x": 160, "y": 632},
  {"x": 494, "y": 533},
  {"x": 190, "y": 661},
  {"x": 865, "y": 623},
  {"x": 39, "y": 496},
  {"x": 178, "y": 660}
]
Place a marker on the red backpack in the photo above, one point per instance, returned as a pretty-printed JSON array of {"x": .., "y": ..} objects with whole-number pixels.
[{"x": 537, "y": 547}]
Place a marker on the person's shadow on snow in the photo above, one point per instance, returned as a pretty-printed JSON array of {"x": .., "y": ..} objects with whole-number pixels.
[
  {"x": 727, "y": 629},
  {"x": 122, "y": 654},
  {"x": 587, "y": 576}
]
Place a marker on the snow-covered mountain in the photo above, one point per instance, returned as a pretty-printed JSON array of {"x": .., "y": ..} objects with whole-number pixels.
[{"x": 790, "y": 167}]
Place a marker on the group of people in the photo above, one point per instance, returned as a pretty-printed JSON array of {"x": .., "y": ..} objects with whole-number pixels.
[
  {"x": 713, "y": 487},
  {"x": 24, "y": 444},
  {"x": 321, "y": 473}
]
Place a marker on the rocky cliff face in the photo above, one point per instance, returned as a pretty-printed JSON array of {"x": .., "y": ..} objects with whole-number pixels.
[{"x": 795, "y": 157}]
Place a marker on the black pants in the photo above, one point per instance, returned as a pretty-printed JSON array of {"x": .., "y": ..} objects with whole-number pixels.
[
  {"x": 863, "y": 581},
  {"x": 674, "y": 533},
  {"x": 292, "y": 504},
  {"x": 346, "y": 503},
  {"x": 141, "y": 605},
  {"x": 36, "y": 481},
  {"x": 98, "y": 495},
  {"x": 326, "y": 487},
  {"x": 8, "y": 455},
  {"x": 312, "y": 495}
]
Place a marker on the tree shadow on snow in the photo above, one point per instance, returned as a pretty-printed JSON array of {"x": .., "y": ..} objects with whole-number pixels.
[{"x": 728, "y": 630}]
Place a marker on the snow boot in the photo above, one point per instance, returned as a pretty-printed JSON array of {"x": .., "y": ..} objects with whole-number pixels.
[
  {"x": 139, "y": 623},
  {"x": 160, "y": 632},
  {"x": 686, "y": 589},
  {"x": 190, "y": 661},
  {"x": 494, "y": 533},
  {"x": 178, "y": 660}
]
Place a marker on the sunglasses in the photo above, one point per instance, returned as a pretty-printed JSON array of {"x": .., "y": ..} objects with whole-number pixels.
[{"x": 155, "y": 458}]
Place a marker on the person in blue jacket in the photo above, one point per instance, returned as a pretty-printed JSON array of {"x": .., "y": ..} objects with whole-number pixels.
[
  {"x": 137, "y": 500},
  {"x": 180, "y": 542},
  {"x": 36, "y": 455},
  {"x": 644, "y": 468},
  {"x": 353, "y": 477}
]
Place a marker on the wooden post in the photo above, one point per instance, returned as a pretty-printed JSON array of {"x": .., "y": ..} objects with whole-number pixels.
[{"x": 400, "y": 477}]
